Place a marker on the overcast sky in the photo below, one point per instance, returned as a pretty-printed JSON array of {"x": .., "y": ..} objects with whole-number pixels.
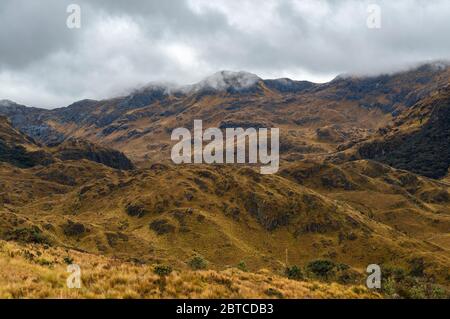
[{"x": 125, "y": 44}]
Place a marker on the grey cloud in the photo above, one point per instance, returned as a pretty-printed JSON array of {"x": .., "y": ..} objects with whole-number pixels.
[
  {"x": 126, "y": 44},
  {"x": 30, "y": 30}
]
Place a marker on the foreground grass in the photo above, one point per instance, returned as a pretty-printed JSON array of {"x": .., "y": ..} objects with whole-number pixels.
[{"x": 29, "y": 271}]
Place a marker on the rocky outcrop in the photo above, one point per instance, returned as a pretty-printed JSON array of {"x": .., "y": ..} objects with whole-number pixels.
[{"x": 75, "y": 149}]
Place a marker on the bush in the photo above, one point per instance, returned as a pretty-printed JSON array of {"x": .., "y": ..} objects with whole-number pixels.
[
  {"x": 74, "y": 229},
  {"x": 242, "y": 266},
  {"x": 396, "y": 273},
  {"x": 272, "y": 292},
  {"x": 44, "y": 262},
  {"x": 198, "y": 263},
  {"x": 162, "y": 270},
  {"x": 68, "y": 260},
  {"x": 438, "y": 293},
  {"x": 417, "y": 267},
  {"x": 27, "y": 235},
  {"x": 412, "y": 288},
  {"x": 162, "y": 226},
  {"x": 322, "y": 268},
  {"x": 136, "y": 210},
  {"x": 294, "y": 273}
]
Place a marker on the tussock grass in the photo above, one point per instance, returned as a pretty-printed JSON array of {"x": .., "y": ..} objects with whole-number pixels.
[{"x": 22, "y": 275}]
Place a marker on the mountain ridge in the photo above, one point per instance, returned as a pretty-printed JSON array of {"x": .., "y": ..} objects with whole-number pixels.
[{"x": 331, "y": 204}]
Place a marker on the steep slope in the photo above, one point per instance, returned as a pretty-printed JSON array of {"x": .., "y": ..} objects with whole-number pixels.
[
  {"x": 20, "y": 150},
  {"x": 30, "y": 121},
  {"x": 75, "y": 149},
  {"x": 417, "y": 141}
]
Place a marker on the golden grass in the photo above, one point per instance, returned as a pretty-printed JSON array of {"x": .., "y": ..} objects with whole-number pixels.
[{"x": 31, "y": 271}]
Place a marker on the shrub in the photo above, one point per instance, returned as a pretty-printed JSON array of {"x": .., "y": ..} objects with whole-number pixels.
[
  {"x": 27, "y": 235},
  {"x": 417, "y": 267},
  {"x": 396, "y": 273},
  {"x": 136, "y": 210},
  {"x": 68, "y": 260},
  {"x": 272, "y": 292},
  {"x": 242, "y": 266},
  {"x": 389, "y": 287},
  {"x": 162, "y": 270},
  {"x": 44, "y": 262},
  {"x": 198, "y": 263},
  {"x": 294, "y": 273},
  {"x": 322, "y": 268},
  {"x": 343, "y": 267},
  {"x": 347, "y": 277},
  {"x": 162, "y": 226},
  {"x": 74, "y": 229},
  {"x": 438, "y": 293}
]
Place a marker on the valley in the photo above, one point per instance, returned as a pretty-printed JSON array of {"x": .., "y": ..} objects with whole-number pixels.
[{"x": 362, "y": 180}]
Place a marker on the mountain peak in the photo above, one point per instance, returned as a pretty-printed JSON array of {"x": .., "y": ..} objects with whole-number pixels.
[
  {"x": 226, "y": 80},
  {"x": 7, "y": 103}
]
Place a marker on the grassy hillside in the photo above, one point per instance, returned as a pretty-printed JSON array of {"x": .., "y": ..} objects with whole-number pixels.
[
  {"x": 33, "y": 271},
  {"x": 228, "y": 216}
]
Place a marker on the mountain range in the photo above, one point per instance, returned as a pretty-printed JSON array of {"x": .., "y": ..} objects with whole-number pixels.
[{"x": 363, "y": 178}]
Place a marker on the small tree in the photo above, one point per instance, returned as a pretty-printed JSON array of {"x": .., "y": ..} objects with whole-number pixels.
[
  {"x": 198, "y": 263},
  {"x": 417, "y": 267},
  {"x": 242, "y": 266},
  {"x": 322, "y": 268},
  {"x": 294, "y": 273},
  {"x": 68, "y": 260},
  {"x": 162, "y": 270}
]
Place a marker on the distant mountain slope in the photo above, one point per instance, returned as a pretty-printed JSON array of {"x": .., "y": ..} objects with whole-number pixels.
[
  {"x": 75, "y": 149},
  {"x": 20, "y": 150},
  {"x": 419, "y": 140},
  {"x": 314, "y": 118}
]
